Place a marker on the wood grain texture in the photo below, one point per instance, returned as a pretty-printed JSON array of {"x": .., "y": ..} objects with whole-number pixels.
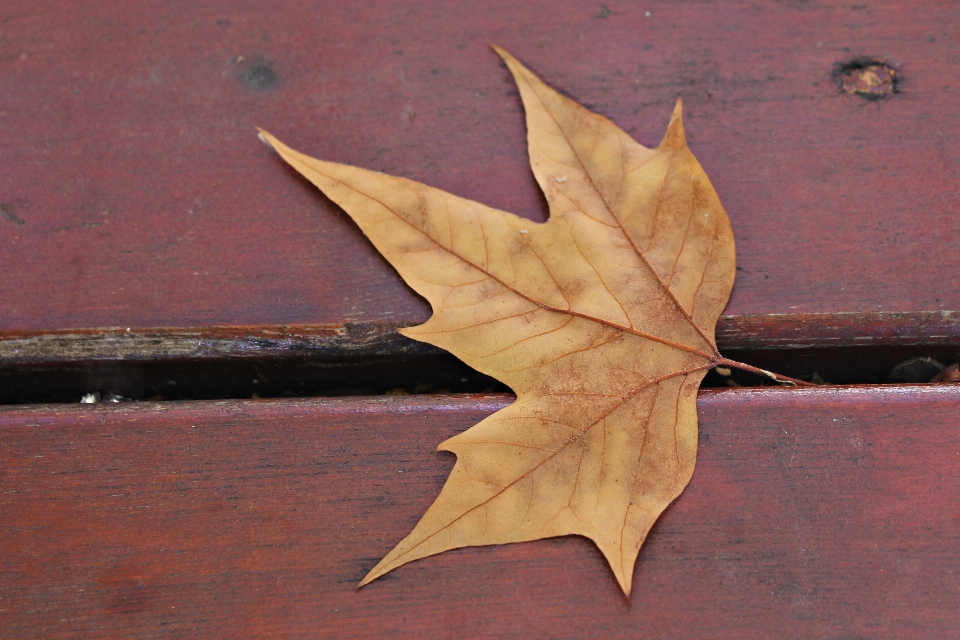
[
  {"x": 372, "y": 339},
  {"x": 134, "y": 192},
  {"x": 822, "y": 513}
]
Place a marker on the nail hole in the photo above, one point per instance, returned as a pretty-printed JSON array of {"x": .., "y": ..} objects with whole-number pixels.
[
  {"x": 866, "y": 77},
  {"x": 259, "y": 77}
]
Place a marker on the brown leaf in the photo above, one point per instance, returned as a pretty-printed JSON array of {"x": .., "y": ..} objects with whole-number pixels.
[{"x": 601, "y": 320}]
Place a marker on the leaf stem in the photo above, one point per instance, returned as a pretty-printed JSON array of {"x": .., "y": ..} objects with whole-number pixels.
[{"x": 723, "y": 362}]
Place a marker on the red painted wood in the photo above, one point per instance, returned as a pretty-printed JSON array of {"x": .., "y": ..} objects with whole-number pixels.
[
  {"x": 824, "y": 513},
  {"x": 133, "y": 191}
]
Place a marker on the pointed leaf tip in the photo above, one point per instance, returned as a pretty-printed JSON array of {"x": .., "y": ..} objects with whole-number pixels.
[
  {"x": 505, "y": 55},
  {"x": 372, "y": 575},
  {"x": 377, "y": 572},
  {"x": 675, "y": 137},
  {"x": 266, "y": 138},
  {"x": 623, "y": 572}
]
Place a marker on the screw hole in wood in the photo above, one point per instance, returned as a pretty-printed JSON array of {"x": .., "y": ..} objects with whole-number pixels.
[{"x": 867, "y": 78}]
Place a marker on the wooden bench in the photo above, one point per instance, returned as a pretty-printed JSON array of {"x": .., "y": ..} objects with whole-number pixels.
[{"x": 154, "y": 250}]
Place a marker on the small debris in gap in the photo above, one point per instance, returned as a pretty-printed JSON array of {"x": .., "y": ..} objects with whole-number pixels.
[
  {"x": 342, "y": 391},
  {"x": 254, "y": 397},
  {"x": 950, "y": 374},
  {"x": 115, "y": 397},
  {"x": 816, "y": 378},
  {"x": 423, "y": 388},
  {"x": 354, "y": 391},
  {"x": 90, "y": 398},
  {"x": 396, "y": 392},
  {"x": 723, "y": 371},
  {"x": 921, "y": 369}
]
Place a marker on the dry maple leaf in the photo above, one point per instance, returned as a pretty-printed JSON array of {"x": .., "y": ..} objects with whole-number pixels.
[{"x": 601, "y": 320}]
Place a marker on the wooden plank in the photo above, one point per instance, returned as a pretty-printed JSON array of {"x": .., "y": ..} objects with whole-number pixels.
[
  {"x": 134, "y": 192},
  {"x": 236, "y": 362},
  {"x": 812, "y": 513},
  {"x": 369, "y": 339}
]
